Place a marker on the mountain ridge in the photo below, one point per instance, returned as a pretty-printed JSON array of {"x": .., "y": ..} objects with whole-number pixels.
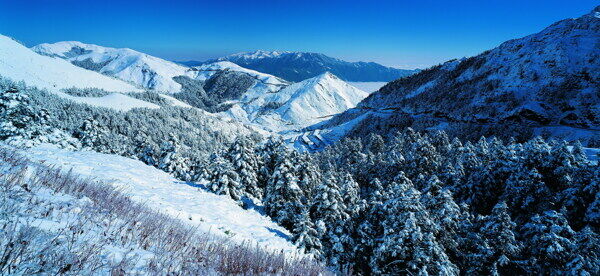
[
  {"x": 298, "y": 66},
  {"x": 540, "y": 82},
  {"x": 141, "y": 69}
]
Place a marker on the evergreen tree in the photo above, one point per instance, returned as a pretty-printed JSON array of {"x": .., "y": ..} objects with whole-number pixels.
[
  {"x": 550, "y": 243},
  {"x": 369, "y": 229},
  {"x": 246, "y": 163},
  {"x": 525, "y": 191},
  {"x": 445, "y": 214},
  {"x": 588, "y": 253},
  {"x": 309, "y": 177},
  {"x": 408, "y": 245},
  {"x": 283, "y": 196},
  {"x": 22, "y": 124},
  {"x": 498, "y": 231},
  {"x": 223, "y": 180},
  {"x": 172, "y": 161},
  {"x": 307, "y": 236}
]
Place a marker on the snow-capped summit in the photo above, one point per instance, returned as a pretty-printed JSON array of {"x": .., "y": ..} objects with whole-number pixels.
[
  {"x": 299, "y": 104},
  {"x": 298, "y": 66},
  {"x": 129, "y": 65}
]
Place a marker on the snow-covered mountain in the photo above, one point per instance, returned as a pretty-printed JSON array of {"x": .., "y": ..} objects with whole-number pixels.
[
  {"x": 19, "y": 63},
  {"x": 548, "y": 80},
  {"x": 298, "y": 105},
  {"x": 132, "y": 66},
  {"x": 298, "y": 66}
]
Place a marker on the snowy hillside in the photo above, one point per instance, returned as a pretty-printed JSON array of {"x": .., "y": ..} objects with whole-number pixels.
[
  {"x": 58, "y": 221},
  {"x": 298, "y": 105},
  {"x": 126, "y": 64},
  {"x": 532, "y": 84},
  {"x": 298, "y": 66},
  {"x": 162, "y": 192},
  {"x": 19, "y": 63}
]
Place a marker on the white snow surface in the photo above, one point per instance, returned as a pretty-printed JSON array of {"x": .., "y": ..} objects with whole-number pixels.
[
  {"x": 162, "y": 192},
  {"x": 300, "y": 104},
  {"x": 19, "y": 63},
  {"x": 132, "y": 66}
]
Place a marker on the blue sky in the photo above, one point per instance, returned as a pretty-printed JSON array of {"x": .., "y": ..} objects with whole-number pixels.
[{"x": 399, "y": 33}]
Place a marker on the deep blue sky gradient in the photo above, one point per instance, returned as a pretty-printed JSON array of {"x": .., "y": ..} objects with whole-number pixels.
[{"x": 401, "y": 33}]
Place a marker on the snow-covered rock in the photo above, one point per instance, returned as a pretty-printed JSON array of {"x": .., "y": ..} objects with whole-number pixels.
[{"x": 132, "y": 66}]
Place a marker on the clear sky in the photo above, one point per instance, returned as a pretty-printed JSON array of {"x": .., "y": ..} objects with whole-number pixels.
[{"x": 400, "y": 33}]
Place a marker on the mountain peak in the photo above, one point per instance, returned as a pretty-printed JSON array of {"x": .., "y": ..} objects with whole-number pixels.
[{"x": 326, "y": 75}]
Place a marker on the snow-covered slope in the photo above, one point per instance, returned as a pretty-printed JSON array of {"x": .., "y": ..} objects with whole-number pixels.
[
  {"x": 19, "y": 63},
  {"x": 159, "y": 191},
  {"x": 138, "y": 68},
  {"x": 300, "y": 104},
  {"x": 547, "y": 79},
  {"x": 298, "y": 66}
]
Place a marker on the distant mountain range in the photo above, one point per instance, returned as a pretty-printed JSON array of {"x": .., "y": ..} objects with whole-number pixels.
[
  {"x": 546, "y": 82},
  {"x": 298, "y": 66}
]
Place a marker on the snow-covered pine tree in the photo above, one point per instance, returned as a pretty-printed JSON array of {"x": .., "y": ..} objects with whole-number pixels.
[
  {"x": 592, "y": 213},
  {"x": 345, "y": 238},
  {"x": 408, "y": 244},
  {"x": 223, "y": 180},
  {"x": 588, "y": 250},
  {"x": 550, "y": 242},
  {"x": 369, "y": 230},
  {"x": 148, "y": 154},
  {"x": 309, "y": 176},
  {"x": 498, "y": 230},
  {"x": 172, "y": 161},
  {"x": 306, "y": 236},
  {"x": 525, "y": 192},
  {"x": 421, "y": 156},
  {"x": 283, "y": 196},
  {"x": 93, "y": 135},
  {"x": 445, "y": 214},
  {"x": 329, "y": 208},
  {"x": 21, "y": 124},
  {"x": 269, "y": 153},
  {"x": 247, "y": 165}
]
